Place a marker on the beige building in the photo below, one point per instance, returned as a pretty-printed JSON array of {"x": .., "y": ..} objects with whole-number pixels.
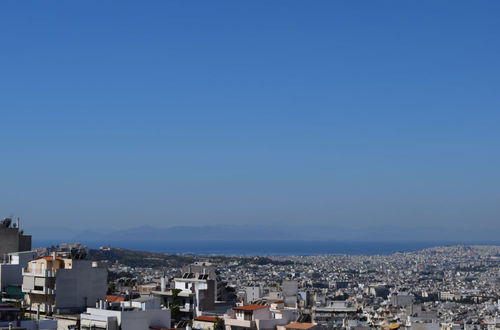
[
  {"x": 54, "y": 284},
  {"x": 260, "y": 317}
]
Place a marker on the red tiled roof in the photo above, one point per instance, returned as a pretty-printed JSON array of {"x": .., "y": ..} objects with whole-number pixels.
[
  {"x": 48, "y": 258},
  {"x": 115, "y": 298},
  {"x": 249, "y": 307},
  {"x": 205, "y": 318}
]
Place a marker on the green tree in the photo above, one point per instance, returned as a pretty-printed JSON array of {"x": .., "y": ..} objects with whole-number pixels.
[
  {"x": 175, "y": 310},
  {"x": 219, "y": 324}
]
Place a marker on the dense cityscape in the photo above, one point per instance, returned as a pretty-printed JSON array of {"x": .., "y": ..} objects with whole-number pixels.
[
  {"x": 70, "y": 286},
  {"x": 250, "y": 165}
]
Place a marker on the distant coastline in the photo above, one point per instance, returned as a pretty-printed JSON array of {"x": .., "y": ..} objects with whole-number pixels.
[{"x": 270, "y": 247}]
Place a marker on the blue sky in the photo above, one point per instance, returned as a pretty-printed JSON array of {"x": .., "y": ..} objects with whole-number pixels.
[{"x": 362, "y": 113}]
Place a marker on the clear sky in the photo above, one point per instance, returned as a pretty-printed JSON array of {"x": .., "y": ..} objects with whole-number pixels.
[{"x": 168, "y": 113}]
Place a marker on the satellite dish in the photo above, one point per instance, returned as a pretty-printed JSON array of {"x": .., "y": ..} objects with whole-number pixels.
[
  {"x": 78, "y": 253},
  {"x": 6, "y": 222}
]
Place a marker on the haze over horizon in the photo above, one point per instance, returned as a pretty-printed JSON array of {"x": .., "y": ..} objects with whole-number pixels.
[{"x": 352, "y": 114}]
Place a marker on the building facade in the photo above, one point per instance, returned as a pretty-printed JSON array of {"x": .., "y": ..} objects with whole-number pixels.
[
  {"x": 12, "y": 239},
  {"x": 11, "y": 271},
  {"x": 139, "y": 314},
  {"x": 62, "y": 285}
]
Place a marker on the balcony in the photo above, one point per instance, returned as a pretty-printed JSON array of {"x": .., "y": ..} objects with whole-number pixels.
[
  {"x": 240, "y": 323},
  {"x": 45, "y": 273},
  {"x": 36, "y": 290},
  {"x": 186, "y": 308}
]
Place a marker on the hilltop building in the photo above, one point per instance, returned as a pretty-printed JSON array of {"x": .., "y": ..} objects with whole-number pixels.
[{"x": 12, "y": 239}]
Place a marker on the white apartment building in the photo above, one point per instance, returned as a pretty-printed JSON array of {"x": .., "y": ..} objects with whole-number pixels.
[
  {"x": 252, "y": 293},
  {"x": 11, "y": 272},
  {"x": 194, "y": 291},
  {"x": 260, "y": 317},
  {"x": 138, "y": 314},
  {"x": 202, "y": 289},
  {"x": 12, "y": 317}
]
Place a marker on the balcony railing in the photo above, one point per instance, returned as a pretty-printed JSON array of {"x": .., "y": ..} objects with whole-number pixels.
[
  {"x": 240, "y": 323},
  {"x": 44, "y": 273},
  {"x": 186, "y": 308},
  {"x": 44, "y": 290}
]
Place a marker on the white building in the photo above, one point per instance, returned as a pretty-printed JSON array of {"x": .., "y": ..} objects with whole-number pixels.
[
  {"x": 259, "y": 316},
  {"x": 290, "y": 292},
  {"x": 12, "y": 316},
  {"x": 11, "y": 272},
  {"x": 402, "y": 299},
  {"x": 252, "y": 293},
  {"x": 195, "y": 293},
  {"x": 139, "y": 314},
  {"x": 202, "y": 288},
  {"x": 209, "y": 272}
]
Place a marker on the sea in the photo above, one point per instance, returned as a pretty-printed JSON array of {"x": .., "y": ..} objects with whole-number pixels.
[{"x": 267, "y": 248}]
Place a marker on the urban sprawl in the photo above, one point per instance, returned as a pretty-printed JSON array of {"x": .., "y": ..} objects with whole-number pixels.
[{"x": 72, "y": 287}]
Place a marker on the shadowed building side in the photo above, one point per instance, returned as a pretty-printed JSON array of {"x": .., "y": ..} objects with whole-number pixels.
[{"x": 12, "y": 238}]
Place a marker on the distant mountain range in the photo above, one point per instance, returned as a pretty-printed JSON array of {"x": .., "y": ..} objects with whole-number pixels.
[
  {"x": 216, "y": 232},
  {"x": 251, "y": 232}
]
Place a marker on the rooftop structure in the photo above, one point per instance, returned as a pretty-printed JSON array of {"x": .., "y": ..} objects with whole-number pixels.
[
  {"x": 11, "y": 317},
  {"x": 12, "y": 238},
  {"x": 137, "y": 314},
  {"x": 256, "y": 316}
]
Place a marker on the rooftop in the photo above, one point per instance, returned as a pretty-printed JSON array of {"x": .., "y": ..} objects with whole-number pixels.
[
  {"x": 249, "y": 307},
  {"x": 205, "y": 318},
  {"x": 111, "y": 298}
]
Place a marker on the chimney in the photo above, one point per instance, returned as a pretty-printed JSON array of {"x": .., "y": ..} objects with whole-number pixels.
[{"x": 18, "y": 223}]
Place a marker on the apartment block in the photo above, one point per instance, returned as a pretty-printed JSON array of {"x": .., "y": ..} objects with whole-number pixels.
[
  {"x": 12, "y": 239},
  {"x": 54, "y": 284},
  {"x": 137, "y": 314}
]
